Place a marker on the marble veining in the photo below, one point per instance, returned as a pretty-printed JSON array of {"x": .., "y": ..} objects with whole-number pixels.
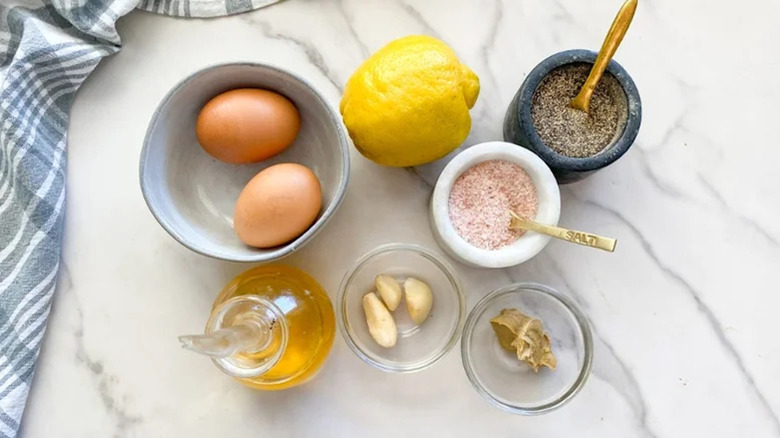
[
  {"x": 683, "y": 314},
  {"x": 717, "y": 328},
  {"x": 102, "y": 382}
]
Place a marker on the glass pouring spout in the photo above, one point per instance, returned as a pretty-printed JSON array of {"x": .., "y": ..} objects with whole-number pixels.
[
  {"x": 245, "y": 336},
  {"x": 227, "y": 341}
]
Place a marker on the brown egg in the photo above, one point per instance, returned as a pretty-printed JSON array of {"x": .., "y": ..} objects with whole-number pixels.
[
  {"x": 279, "y": 204},
  {"x": 247, "y": 125}
]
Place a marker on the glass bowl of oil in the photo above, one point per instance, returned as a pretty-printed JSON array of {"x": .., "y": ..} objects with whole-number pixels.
[{"x": 417, "y": 346}]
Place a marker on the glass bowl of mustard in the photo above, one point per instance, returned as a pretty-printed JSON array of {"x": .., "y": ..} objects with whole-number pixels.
[{"x": 546, "y": 329}]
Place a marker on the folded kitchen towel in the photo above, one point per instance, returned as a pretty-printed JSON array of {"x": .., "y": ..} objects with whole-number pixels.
[
  {"x": 202, "y": 8},
  {"x": 47, "y": 49}
]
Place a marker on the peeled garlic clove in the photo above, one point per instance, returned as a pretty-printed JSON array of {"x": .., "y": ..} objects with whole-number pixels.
[
  {"x": 380, "y": 322},
  {"x": 419, "y": 299},
  {"x": 390, "y": 291}
]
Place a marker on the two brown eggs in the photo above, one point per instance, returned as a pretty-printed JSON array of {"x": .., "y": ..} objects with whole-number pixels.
[{"x": 248, "y": 125}]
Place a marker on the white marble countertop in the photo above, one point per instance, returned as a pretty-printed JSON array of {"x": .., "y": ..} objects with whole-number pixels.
[{"x": 684, "y": 313}]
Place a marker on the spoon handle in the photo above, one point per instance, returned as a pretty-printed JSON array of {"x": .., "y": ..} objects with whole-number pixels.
[
  {"x": 615, "y": 35},
  {"x": 578, "y": 237}
]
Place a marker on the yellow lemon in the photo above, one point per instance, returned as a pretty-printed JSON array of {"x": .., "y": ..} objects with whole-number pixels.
[{"x": 408, "y": 104}]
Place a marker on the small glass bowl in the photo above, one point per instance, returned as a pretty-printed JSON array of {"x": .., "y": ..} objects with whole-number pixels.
[
  {"x": 510, "y": 384},
  {"x": 418, "y": 347}
]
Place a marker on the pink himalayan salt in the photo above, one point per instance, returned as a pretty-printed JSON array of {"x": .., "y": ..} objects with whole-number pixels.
[{"x": 481, "y": 198}]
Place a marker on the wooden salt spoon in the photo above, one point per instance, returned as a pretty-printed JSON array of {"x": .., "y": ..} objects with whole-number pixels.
[
  {"x": 608, "y": 49},
  {"x": 578, "y": 237}
]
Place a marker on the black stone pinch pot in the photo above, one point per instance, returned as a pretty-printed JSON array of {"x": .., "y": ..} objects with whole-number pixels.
[{"x": 519, "y": 128}]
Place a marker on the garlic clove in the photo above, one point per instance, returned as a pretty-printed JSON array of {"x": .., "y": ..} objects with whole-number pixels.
[
  {"x": 380, "y": 322},
  {"x": 419, "y": 299},
  {"x": 390, "y": 291}
]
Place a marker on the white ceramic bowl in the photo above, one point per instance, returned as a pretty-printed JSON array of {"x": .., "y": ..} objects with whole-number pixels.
[
  {"x": 525, "y": 247},
  {"x": 193, "y": 195}
]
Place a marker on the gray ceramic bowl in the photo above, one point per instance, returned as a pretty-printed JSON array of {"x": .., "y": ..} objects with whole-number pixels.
[{"x": 192, "y": 195}]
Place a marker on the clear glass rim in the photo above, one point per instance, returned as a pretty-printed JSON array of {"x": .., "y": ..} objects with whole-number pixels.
[
  {"x": 226, "y": 364},
  {"x": 443, "y": 266},
  {"x": 587, "y": 343}
]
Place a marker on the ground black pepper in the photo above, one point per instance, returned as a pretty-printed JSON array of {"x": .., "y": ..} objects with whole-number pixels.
[{"x": 572, "y": 132}]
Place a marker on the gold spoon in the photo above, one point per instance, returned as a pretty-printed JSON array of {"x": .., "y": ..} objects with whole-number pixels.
[
  {"x": 611, "y": 43},
  {"x": 579, "y": 237}
]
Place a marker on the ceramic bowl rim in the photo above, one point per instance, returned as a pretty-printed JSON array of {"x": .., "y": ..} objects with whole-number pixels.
[
  {"x": 582, "y": 324},
  {"x": 609, "y": 154},
  {"x": 288, "y": 248},
  {"x": 521, "y": 250},
  {"x": 443, "y": 266}
]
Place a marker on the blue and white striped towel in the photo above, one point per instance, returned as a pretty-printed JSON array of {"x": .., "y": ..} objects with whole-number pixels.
[{"x": 47, "y": 49}]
